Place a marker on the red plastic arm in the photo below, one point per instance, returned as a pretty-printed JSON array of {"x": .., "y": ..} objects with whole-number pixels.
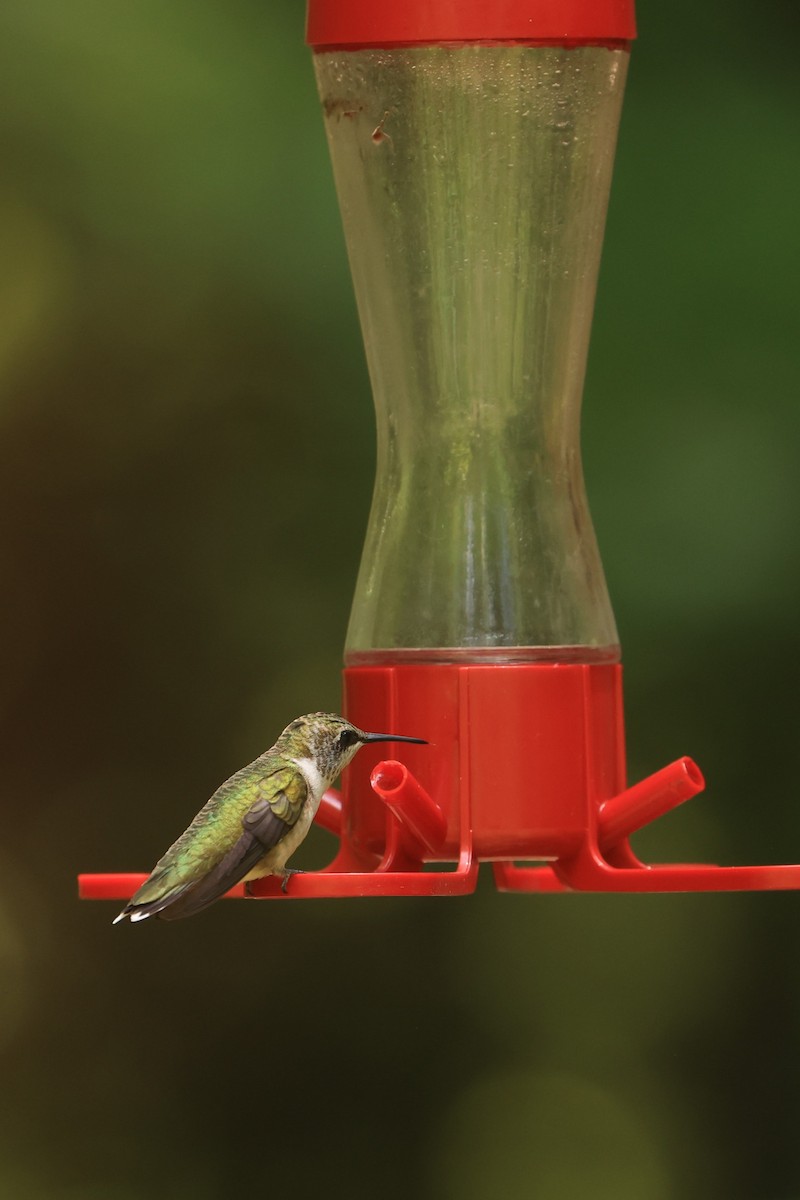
[
  {"x": 637, "y": 806},
  {"x": 329, "y": 813}
]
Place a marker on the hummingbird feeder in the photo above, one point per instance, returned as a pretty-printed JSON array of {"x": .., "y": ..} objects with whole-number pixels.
[{"x": 472, "y": 148}]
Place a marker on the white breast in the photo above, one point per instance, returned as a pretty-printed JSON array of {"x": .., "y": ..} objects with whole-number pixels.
[{"x": 311, "y": 773}]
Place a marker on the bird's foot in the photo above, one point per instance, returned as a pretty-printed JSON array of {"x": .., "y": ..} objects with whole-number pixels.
[{"x": 288, "y": 872}]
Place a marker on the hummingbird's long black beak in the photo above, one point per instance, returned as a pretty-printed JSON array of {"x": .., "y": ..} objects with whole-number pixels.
[{"x": 392, "y": 737}]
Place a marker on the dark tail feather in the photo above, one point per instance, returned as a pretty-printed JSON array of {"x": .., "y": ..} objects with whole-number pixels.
[
  {"x": 193, "y": 901},
  {"x": 140, "y": 912}
]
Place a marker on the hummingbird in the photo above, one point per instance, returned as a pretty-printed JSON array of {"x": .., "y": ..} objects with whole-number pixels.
[{"x": 255, "y": 820}]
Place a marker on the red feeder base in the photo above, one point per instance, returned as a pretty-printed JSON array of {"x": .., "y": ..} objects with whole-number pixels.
[{"x": 525, "y": 763}]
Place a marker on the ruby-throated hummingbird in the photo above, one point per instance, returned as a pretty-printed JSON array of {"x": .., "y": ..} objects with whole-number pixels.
[{"x": 254, "y": 820}]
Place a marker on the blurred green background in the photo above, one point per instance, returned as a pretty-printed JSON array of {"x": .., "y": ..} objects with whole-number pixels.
[{"x": 186, "y": 446}]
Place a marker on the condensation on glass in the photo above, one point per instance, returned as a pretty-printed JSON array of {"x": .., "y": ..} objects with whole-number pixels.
[{"x": 473, "y": 184}]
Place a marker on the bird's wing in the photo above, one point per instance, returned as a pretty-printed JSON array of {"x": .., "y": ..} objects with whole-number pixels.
[
  {"x": 277, "y": 806},
  {"x": 278, "y": 799}
]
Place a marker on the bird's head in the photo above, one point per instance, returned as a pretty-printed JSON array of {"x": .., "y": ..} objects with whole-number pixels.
[{"x": 331, "y": 741}]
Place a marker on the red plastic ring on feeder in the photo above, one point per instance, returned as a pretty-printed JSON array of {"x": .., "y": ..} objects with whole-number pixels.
[{"x": 361, "y": 23}]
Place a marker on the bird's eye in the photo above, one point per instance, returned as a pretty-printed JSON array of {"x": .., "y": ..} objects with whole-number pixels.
[{"x": 347, "y": 738}]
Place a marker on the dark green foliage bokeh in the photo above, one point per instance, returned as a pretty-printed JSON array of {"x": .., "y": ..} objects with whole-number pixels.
[{"x": 186, "y": 461}]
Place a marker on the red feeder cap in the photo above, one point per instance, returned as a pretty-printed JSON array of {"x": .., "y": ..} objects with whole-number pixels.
[{"x": 353, "y": 24}]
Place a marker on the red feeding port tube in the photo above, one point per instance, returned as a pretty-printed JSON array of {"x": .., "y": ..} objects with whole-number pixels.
[{"x": 472, "y": 146}]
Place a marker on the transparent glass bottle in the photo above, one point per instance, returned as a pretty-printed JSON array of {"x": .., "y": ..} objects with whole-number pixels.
[{"x": 473, "y": 182}]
